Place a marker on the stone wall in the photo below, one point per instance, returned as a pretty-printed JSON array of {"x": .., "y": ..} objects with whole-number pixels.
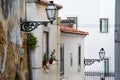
[{"x": 11, "y": 40}]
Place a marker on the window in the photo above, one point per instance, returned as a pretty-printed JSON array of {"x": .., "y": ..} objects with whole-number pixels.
[
  {"x": 106, "y": 67},
  {"x": 46, "y": 43},
  {"x": 62, "y": 60},
  {"x": 103, "y": 25},
  {"x": 79, "y": 55},
  {"x": 71, "y": 59}
]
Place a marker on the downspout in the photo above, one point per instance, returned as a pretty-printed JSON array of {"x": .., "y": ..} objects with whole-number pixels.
[
  {"x": 28, "y": 48},
  {"x": 29, "y": 60},
  {"x": 4, "y": 60}
]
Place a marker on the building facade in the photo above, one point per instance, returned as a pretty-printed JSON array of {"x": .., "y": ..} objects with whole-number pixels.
[
  {"x": 100, "y": 23},
  {"x": 90, "y": 14},
  {"x": 48, "y": 40},
  {"x": 72, "y": 53}
]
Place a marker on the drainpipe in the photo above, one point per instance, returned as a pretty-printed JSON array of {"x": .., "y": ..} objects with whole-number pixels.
[
  {"x": 4, "y": 59},
  {"x": 29, "y": 59},
  {"x": 28, "y": 48}
]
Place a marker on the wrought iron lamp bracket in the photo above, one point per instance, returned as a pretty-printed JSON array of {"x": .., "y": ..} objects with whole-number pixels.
[
  {"x": 29, "y": 26},
  {"x": 90, "y": 61}
]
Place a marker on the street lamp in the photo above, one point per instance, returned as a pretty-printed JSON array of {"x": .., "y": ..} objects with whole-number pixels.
[
  {"x": 29, "y": 26},
  {"x": 102, "y": 53},
  {"x": 91, "y": 61},
  {"x": 51, "y": 11}
]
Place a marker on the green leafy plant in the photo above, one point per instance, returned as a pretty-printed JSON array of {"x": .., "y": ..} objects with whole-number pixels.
[
  {"x": 52, "y": 57},
  {"x": 32, "y": 41},
  {"x": 45, "y": 59}
]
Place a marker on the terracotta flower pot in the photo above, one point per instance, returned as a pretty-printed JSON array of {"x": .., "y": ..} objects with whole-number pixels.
[
  {"x": 50, "y": 61},
  {"x": 44, "y": 62}
]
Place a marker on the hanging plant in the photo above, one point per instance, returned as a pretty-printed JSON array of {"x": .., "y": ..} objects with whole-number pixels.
[{"x": 32, "y": 41}]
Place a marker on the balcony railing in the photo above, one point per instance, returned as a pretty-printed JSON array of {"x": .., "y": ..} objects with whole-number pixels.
[{"x": 91, "y": 75}]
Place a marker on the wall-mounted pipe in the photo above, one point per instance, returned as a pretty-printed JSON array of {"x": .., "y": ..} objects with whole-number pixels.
[{"x": 3, "y": 59}]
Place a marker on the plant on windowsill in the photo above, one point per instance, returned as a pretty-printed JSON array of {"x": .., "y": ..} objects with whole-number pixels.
[
  {"x": 52, "y": 57},
  {"x": 45, "y": 59},
  {"x": 44, "y": 63},
  {"x": 32, "y": 41}
]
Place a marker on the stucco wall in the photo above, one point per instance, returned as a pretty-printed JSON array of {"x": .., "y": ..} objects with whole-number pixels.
[
  {"x": 37, "y": 12},
  {"x": 96, "y": 40},
  {"x": 71, "y": 43},
  {"x": 10, "y": 40},
  {"x": 88, "y": 13}
]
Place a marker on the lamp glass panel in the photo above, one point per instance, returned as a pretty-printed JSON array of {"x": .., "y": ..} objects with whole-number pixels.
[{"x": 51, "y": 12}]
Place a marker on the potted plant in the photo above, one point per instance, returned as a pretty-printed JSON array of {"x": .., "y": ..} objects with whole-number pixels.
[
  {"x": 52, "y": 57},
  {"x": 45, "y": 60},
  {"x": 32, "y": 41}
]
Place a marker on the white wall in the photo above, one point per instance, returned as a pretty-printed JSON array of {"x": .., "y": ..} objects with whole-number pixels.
[
  {"x": 36, "y": 12},
  {"x": 71, "y": 43},
  {"x": 96, "y": 40},
  {"x": 88, "y": 13}
]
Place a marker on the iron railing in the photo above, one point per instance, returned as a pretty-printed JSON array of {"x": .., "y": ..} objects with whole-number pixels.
[{"x": 91, "y": 75}]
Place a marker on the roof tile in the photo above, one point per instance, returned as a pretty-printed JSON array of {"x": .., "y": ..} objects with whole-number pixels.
[
  {"x": 46, "y": 2},
  {"x": 66, "y": 29}
]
